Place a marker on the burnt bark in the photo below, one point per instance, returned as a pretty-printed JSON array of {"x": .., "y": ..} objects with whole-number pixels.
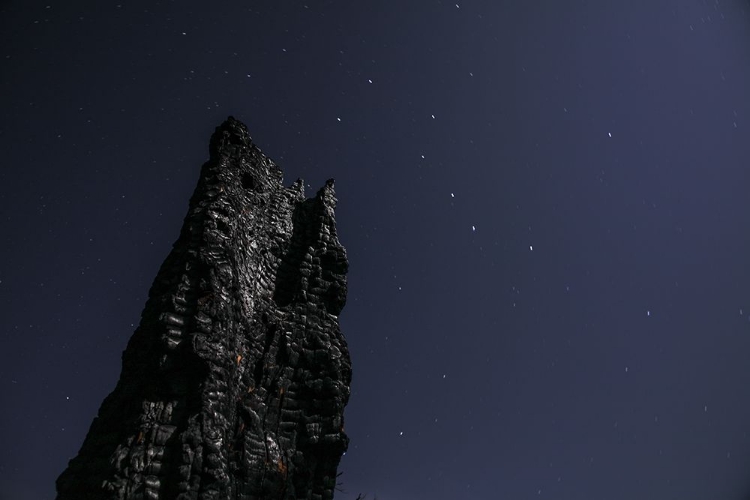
[{"x": 234, "y": 384}]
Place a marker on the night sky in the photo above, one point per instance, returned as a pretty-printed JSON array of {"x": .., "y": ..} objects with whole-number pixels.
[{"x": 545, "y": 206}]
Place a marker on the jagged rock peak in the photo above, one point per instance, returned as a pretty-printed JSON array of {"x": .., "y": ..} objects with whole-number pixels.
[{"x": 234, "y": 384}]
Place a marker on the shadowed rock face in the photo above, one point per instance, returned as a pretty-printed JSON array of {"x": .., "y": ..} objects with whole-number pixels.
[{"x": 234, "y": 384}]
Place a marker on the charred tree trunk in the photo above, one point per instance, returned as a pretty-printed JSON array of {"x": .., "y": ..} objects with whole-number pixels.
[{"x": 234, "y": 384}]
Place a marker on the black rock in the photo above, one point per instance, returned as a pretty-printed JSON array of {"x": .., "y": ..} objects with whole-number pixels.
[{"x": 234, "y": 384}]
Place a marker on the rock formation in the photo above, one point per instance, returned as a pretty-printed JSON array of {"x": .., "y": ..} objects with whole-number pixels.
[{"x": 234, "y": 384}]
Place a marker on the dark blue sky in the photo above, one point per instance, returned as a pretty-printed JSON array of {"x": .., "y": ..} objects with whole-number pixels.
[{"x": 545, "y": 206}]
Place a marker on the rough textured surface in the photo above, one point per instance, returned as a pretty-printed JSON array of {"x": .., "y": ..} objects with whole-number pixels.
[{"x": 235, "y": 381}]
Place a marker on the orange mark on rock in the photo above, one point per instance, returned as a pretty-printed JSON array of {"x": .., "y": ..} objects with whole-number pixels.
[
  {"x": 239, "y": 358},
  {"x": 139, "y": 440}
]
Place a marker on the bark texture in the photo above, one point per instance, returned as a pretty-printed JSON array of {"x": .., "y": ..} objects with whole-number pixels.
[{"x": 234, "y": 384}]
